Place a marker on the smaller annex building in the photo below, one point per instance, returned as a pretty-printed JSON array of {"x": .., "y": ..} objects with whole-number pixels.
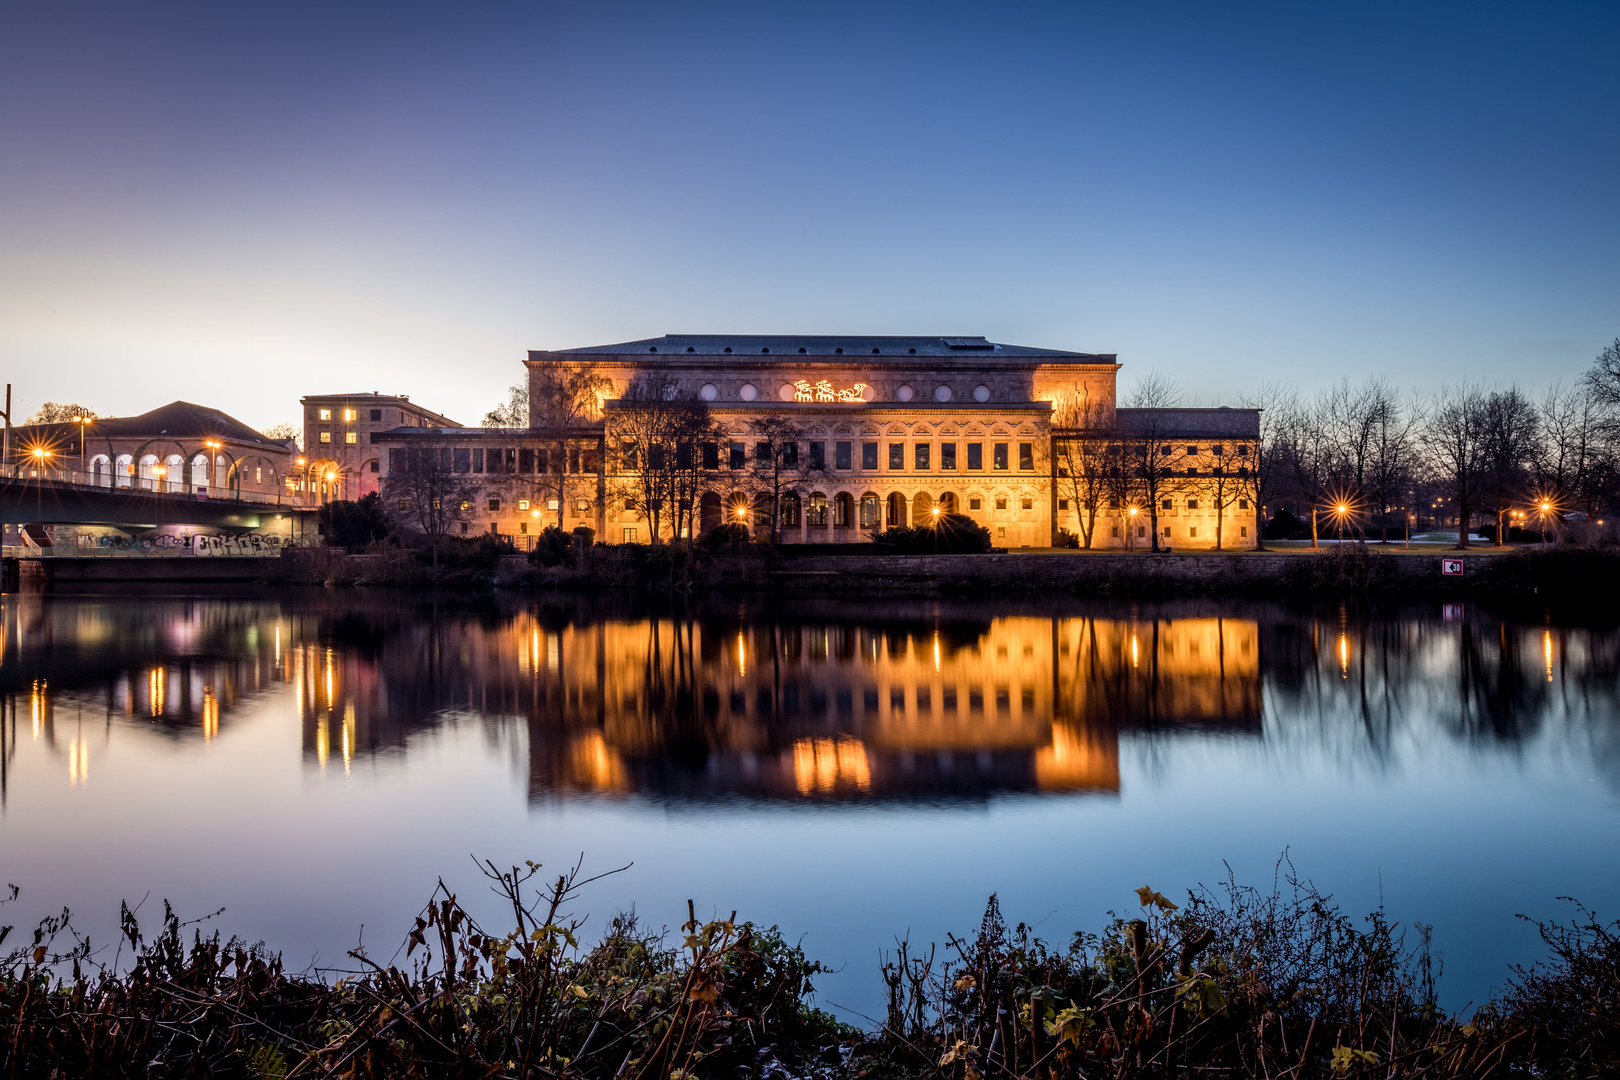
[
  {"x": 828, "y": 439},
  {"x": 178, "y": 447},
  {"x": 340, "y": 460}
]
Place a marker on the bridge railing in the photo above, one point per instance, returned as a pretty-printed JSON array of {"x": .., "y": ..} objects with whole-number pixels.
[{"x": 102, "y": 480}]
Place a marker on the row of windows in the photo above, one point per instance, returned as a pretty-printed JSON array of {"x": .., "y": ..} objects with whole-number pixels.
[
  {"x": 1192, "y": 532},
  {"x": 922, "y": 456},
  {"x": 349, "y": 415}
]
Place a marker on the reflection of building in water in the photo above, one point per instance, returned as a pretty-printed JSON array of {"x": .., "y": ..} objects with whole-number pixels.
[{"x": 845, "y": 712}]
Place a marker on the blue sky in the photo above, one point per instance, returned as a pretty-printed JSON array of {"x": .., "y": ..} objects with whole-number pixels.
[{"x": 239, "y": 203}]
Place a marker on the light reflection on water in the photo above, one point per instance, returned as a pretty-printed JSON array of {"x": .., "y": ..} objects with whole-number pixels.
[{"x": 850, "y": 770}]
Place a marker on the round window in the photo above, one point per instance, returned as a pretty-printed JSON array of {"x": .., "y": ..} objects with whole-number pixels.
[
  {"x": 785, "y": 392},
  {"x": 748, "y": 392},
  {"x": 708, "y": 392},
  {"x": 942, "y": 392},
  {"x": 904, "y": 392},
  {"x": 981, "y": 393},
  {"x": 868, "y": 393}
]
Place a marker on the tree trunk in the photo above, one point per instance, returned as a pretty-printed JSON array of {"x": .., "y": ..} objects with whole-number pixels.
[{"x": 1462, "y": 524}]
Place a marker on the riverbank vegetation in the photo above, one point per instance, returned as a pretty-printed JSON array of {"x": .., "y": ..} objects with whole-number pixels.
[{"x": 1230, "y": 982}]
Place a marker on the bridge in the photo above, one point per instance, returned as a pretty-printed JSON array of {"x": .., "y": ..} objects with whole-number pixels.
[{"x": 48, "y": 496}]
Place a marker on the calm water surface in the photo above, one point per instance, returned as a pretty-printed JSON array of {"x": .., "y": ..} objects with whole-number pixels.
[{"x": 313, "y": 763}]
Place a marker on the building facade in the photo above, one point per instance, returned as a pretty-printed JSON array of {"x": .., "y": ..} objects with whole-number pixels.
[
  {"x": 339, "y": 460},
  {"x": 879, "y": 432}
]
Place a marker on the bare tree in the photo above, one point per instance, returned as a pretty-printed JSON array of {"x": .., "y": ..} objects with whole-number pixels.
[
  {"x": 1084, "y": 453},
  {"x": 283, "y": 432},
  {"x": 423, "y": 487},
  {"x": 1603, "y": 380},
  {"x": 780, "y": 468},
  {"x": 1567, "y": 460},
  {"x": 1507, "y": 439},
  {"x": 513, "y": 412},
  {"x": 1147, "y": 439},
  {"x": 1267, "y": 456},
  {"x": 52, "y": 412},
  {"x": 564, "y": 408},
  {"x": 1396, "y": 424},
  {"x": 654, "y": 429},
  {"x": 1308, "y": 456},
  {"x": 1455, "y": 443}
]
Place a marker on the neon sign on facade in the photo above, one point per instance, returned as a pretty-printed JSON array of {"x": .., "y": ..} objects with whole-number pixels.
[{"x": 823, "y": 391}]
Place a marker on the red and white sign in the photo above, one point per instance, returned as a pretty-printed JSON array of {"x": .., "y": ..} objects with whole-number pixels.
[{"x": 1451, "y": 567}]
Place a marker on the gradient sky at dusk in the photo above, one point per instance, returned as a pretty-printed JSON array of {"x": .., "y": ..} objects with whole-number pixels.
[{"x": 237, "y": 203}]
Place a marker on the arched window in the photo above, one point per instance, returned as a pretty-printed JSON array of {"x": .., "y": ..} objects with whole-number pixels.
[
  {"x": 222, "y": 472},
  {"x": 947, "y": 503},
  {"x": 790, "y": 512},
  {"x": 174, "y": 473},
  {"x": 922, "y": 509},
  {"x": 100, "y": 471},
  {"x": 816, "y": 515},
  {"x": 123, "y": 470},
  {"x": 897, "y": 511},
  {"x": 708, "y": 511},
  {"x": 843, "y": 510},
  {"x": 148, "y": 471},
  {"x": 763, "y": 515},
  {"x": 199, "y": 471},
  {"x": 869, "y": 511}
]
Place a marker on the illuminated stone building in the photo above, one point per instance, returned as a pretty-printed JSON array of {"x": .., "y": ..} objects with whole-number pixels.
[
  {"x": 884, "y": 431},
  {"x": 339, "y": 459}
]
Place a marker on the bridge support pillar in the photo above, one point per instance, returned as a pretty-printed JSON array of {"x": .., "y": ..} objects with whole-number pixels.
[{"x": 35, "y": 575}]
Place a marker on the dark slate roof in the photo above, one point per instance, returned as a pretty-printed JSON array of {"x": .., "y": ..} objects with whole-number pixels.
[
  {"x": 178, "y": 419},
  {"x": 813, "y": 345}
]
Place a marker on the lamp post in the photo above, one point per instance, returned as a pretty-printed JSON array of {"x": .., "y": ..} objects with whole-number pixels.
[{"x": 83, "y": 422}]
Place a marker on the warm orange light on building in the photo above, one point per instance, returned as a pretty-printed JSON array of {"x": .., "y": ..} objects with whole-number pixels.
[
  {"x": 830, "y": 766},
  {"x": 1076, "y": 761}
]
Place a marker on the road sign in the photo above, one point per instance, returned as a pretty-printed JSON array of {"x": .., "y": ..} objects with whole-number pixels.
[{"x": 1451, "y": 567}]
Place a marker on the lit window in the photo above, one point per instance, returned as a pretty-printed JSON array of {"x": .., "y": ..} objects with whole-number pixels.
[
  {"x": 523, "y": 504},
  {"x": 325, "y": 414},
  {"x": 630, "y": 535},
  {"x": 326, "y": 436},
  {"x": 350, "y": 437},
  {"x": 582, "y": 505},
  {"x": 348, "y": 416},
  {"x": 551, "y": 504}
]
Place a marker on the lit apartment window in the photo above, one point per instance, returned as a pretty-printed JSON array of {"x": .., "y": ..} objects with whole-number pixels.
[
  {"x": 325, "y": 414},
  {"x": 326, "y": 436},
  {"x": 552, "y": 504},
  {"x": 630, "y": 535},
  {"x": 350, "y": 437},
  {"x": 582, "y": 505},
  {"x": 348, "y": 416},
  {"x": 523, "y": 504}
]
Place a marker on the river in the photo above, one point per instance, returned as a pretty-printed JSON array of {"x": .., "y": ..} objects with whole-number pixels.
[{"x": 850, "y": 769}]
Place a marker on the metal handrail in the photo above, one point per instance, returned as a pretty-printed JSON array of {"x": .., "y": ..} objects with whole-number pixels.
[{"x": 104, "y": 481}]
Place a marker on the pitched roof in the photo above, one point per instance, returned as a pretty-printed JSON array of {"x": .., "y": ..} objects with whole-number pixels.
[
  {"x": 178, "y": 420},
  {"x": 960, "y": 348}
]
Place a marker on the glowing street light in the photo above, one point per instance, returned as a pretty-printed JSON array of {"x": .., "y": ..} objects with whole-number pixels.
[{"x": 83, "y": 422}]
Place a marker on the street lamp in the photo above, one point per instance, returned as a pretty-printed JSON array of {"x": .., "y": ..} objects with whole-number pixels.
[{"x": 83, "y": 422}]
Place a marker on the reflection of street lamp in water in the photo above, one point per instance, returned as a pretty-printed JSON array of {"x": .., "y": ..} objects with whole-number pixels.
[{"x": 1130, "y": 534}]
